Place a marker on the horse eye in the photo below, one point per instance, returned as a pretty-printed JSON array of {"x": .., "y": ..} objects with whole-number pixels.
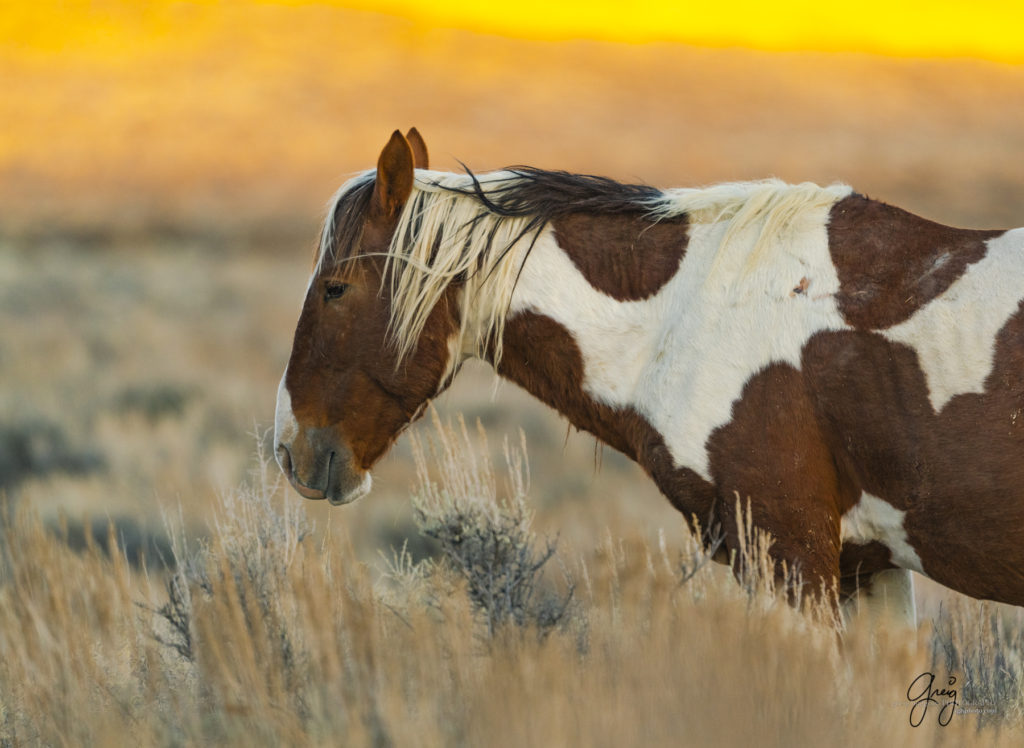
[{"x": 334, "y": 290}]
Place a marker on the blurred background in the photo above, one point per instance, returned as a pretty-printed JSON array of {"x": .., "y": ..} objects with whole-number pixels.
[{"x": 164, "y": 167}]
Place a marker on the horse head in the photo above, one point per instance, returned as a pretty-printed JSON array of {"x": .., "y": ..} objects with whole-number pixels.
[{"x": 348, "y": 391}]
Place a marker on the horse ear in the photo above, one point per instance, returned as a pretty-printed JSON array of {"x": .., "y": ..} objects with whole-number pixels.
[
  {"x": 394, "y": 177},
  {"x": 420, "y": 157}
]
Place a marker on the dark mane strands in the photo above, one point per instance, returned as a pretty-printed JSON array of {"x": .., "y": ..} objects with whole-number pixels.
[
  {"x": 540, "y": 195},
  {"x": 543, "y": 196},
  {"x": 530, "y": 191}
]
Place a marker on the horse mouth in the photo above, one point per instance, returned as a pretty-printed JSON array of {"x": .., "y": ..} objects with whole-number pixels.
[
  {"x": 306, "y": 492},
  {"x": 284, "y": 460},
  {"x": 341, "y": 487}
]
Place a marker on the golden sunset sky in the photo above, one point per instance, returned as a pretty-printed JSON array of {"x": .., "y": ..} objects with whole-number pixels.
[
  {"x": 176, "y": 111},
  {"x": 989, "y": 29},
  {"x": 992, "y": 29}
]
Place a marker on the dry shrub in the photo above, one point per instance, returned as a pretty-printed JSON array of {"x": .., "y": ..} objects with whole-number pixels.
[
  {"x": 35, "y": 448},
  {"x": 488, "y": 542},
  {"x": 983, "y": 644}
]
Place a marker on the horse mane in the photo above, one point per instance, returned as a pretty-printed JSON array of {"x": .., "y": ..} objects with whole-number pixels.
[{"x": 479, "y": 229}]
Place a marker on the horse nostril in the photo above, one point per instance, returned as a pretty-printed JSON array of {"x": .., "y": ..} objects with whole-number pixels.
[{"x": 284, "y": 459}]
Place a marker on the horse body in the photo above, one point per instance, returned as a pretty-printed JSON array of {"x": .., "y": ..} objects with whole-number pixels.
[{"x": 849, "y": 369}]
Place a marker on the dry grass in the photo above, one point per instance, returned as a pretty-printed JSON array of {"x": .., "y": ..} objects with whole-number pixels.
[{"x": 292, "y": 640}]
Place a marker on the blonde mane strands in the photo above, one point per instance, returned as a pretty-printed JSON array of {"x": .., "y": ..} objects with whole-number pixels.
[
  {"x": 772, "y": 203},
  {"x": 442, "y": 236}
]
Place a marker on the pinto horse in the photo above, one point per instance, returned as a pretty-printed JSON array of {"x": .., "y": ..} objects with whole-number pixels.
[{"x": 850, "y": 369}]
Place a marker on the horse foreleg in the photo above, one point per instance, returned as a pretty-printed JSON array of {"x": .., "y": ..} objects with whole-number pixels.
[
  {"x": 796, "y": 545},
  {"x": 772, "y": 464}
]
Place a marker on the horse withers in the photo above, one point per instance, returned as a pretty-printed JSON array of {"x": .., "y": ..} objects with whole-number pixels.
[{"x": 852, "y": 371}]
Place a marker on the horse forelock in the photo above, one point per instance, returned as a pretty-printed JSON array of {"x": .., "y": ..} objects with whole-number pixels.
[{"x": 343, "y": 221}]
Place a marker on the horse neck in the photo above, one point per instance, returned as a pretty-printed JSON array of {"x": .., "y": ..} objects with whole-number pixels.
[{"x": 586, "y": 317}]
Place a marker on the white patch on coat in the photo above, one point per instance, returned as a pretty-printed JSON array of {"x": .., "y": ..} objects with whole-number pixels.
[
  {"x": 617, "y": 339},
  {"x": 285, "y": 425},
  {"x": 954, "y": 335},
  {"x": 682, "y": 357},
  {"x": 873, "y": 519}
]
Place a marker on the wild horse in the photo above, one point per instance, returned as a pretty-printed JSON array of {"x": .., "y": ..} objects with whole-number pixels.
[{"x": 852, "y": 370}]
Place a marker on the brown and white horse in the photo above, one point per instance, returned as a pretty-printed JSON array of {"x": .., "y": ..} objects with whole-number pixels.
[{"x": 854, "y": 370}]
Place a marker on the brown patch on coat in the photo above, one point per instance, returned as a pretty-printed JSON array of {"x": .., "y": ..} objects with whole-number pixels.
[
  {"x": 773, "y": 454},
  {"x": 626, "y": 256},
  {"x": 890, "y": 262},
  {"x": 958, "y": 475}
]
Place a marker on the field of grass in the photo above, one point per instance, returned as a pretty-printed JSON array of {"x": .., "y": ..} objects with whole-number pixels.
[
  {"x": 269, "y": 633},
  {"x": 162, "y": 173}
]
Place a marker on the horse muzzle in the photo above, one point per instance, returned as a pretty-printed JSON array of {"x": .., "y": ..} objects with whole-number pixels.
[{"x": 320, "y": 470}]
